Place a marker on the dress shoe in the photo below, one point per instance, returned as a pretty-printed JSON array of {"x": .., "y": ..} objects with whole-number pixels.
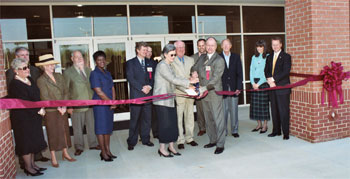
[
  {"x": 106, "y": 159},
  {"x": 40, "y": 169},
  {"x": 181, "y": 146},
  {"x": 42, "y": 159},
  {"x": 256, "y": 129},
  {"x": 155, "y": 136},
  {"x": 78, "y": 152},
  {"x": 69, "y": 159},
  {"x": 37, "y": 173},
  {"x": 149, "y": 144},
  {"x": 273, "y": 135},
  {"x": 130, "y": 147},
  {"x": 263, "y": 131},
  {"x": 219, "y": 150},
  {"x": 95, "y": 148},
  {"x": 166, "y": 156},
  {"x": 176, "y": 154},
  {"x": 200, "y": 133},
  {"x": 210, "y": 145},
  {"x": 192, "y": 143},
  {"x": 111, "y": 155},
  {"x": 235, "y": 135},
  {"x": 286, "y": 137}
]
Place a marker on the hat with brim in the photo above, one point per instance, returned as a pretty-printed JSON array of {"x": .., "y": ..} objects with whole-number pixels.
[{"x": 46, "y": 60}]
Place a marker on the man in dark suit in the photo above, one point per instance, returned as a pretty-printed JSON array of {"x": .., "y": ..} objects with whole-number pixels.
[
  {"x": 138, "y": 72},
  {"x": 154, "y": 123},
  {"x": 277, "y": 72},
  {"x": 22, "y": 52},
  {"x": 231, "y": 81}
]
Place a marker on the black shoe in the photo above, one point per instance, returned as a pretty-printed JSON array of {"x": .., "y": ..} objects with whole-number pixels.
[
  {"x": 177, "y": 153},
  {"x": 149, "y": 144},
  {"x": 42, "y": 159},
  {"x": 112, "y": 156},
  {"x": 256, "y": 129},
  {"x": 273, "y": 135},
  {"x": 40, "y": 169},
  {"x": 106, "y": 159},
  {"x": 166, "y": 156},
  {"x": 181, "y": 146},
  {"x": 32, "y": 174},
  {"x": 78, "y": 152},
  {"x": 210, "y": 145},
  {"x": 219, "y": 150},
  {"x": 156, "y": 137},
  {"x": 285, "y": 137},
  {"x": 235, "y": 135},
  {"x": 261, "y": 132},
  {"x": 192, "y": 143},
  {"x": 130, "y": 147}
]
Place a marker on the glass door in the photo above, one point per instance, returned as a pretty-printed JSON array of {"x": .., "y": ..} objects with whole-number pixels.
[
  {"x": 190, "y": 43},
  {"x": 64, "y": 49},
  {"x": 157, "y": 44}
]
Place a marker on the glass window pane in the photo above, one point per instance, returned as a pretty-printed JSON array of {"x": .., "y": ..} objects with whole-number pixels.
[
  {"x": 156, "y": 48},
  {"x": 218, "y": 19},
  {"x": 77, "y": 21},
  {"x": 150, "y": 19},
  {"x": 25, "y": 22},
  {"x": 263, "y": 19},
  {"x": 249, "y": 48},
  {"x": 121, "y": 89},
  {"x": 35, "y": 50},
  {"x": 235, "y": 40},
  {"x": 66, "y": 52},
  {"x": 116, "y": 58}
]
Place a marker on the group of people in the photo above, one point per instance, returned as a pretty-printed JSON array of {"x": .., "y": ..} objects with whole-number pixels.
[{"x": 171, "y": 120}]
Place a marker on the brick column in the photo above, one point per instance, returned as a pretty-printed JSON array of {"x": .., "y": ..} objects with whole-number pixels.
[
  {"x": 317, "y": 32},
  {"x": 7, "y": 155}
]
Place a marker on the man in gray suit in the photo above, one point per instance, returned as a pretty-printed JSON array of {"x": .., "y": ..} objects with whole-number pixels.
[
  {"x": 209, "y": 69},
  {"x": 78, "y": 84},
  {"x": 199, "y": 106}
]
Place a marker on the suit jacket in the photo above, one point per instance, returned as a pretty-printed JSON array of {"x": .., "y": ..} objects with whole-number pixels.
[
  {"x": 137, "y": 78},
  {"x": 165, "y": 81},
  {"x": 34, "y": 74},
  {"x": 182, "y": 70},
  {"x": 78, "y": 87},
  {"x": 233, "y": 75},
  {"x": 195, "y": 57},
  {"x": 50, "y": 90},
  {"x": 217, "y": 66},
  {"x": 282, "y": 70}
]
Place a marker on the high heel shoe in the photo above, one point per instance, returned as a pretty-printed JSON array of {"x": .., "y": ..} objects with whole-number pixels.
[
  {"x": 40, "y": 169},
  {"x": 55, "y": 165},
  {"x": 69, "y": 159},
  {"x": 177, "y": 153},
  {"x": 112, "y": 156},
  {"x": 166, "y": 156},
  {"x": 256, "y": 129},
  {"x": 32, "y": 174},
  {"x": 106, "y": 160},
  {"x": 261, "y": 132}
]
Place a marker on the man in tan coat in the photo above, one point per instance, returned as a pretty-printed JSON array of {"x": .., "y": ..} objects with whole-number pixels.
[{"x": 182, "y": 66}]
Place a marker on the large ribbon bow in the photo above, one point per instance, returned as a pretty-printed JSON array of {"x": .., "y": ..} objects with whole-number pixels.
[{"x": 332, "y": 80}]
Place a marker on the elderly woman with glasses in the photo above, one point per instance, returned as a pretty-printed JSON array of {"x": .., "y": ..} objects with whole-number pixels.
[
  {"x": 165, "y": 82},
  {"x": 52, "y": 87},
  {"x": 26, "y": 123}
]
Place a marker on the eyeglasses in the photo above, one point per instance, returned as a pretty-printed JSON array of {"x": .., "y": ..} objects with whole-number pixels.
[
  {"x": 172, "y": 55},
  {"x": 24, "y": 68}
]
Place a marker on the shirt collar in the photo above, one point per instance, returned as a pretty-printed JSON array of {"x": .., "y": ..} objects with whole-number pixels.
[
  {"x": 229, "y": 54},
  {"x": 277, "y": 53}
]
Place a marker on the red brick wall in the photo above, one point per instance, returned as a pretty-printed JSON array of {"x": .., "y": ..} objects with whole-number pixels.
[
  {"x": 317, "y": 32},
  {"x": 7, "y": 155}
]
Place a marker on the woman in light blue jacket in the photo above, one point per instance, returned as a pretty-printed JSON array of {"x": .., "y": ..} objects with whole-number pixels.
[{"x": 259, "y": 104}]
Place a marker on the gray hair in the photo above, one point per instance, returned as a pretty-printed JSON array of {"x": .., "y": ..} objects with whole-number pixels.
[
  {"x": 72, "y": 54},
  {"x": 177, "y": 43},
  {"x": 17, "y": 62},
  {"x": 167, "y": 48},
  {"x": 18, "y": 49}
]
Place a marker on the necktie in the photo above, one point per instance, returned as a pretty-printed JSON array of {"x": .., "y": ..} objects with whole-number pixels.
[
  {"x": 274, "y": 63},
  {"x": 182, "y": 60},
  {"x": 143, "y": 64},
  {"x": 83, "y": 75}
]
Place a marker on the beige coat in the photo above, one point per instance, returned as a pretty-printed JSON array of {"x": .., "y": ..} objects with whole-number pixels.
[{"x": 182, "y": 70}]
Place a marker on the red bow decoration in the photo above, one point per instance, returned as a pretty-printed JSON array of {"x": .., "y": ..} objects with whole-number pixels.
[{"x": 332, "y": 80}]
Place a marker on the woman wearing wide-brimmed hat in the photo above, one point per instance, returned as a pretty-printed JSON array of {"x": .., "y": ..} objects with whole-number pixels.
[{"x": 52, "y": 87}]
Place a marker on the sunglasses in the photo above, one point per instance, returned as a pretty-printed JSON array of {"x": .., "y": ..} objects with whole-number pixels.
[
  {"x": 172, "y": 55},
  {"x": 24, "y": 68}
]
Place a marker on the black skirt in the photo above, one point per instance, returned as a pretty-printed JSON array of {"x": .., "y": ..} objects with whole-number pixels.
[
  {"x": 167, "y": 124},
  {"x": 259, "y": 104}
]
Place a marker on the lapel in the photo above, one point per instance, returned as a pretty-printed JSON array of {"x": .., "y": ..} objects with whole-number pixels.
[
  {"x": 278, "y": 61},
  {"x": 212, "y": 59},
  {"x": 50, "y": 80},
  {"x": 76, "y": 75},
  {"x": 232, "y": 61},
  {"x": 138, "y": 63}
]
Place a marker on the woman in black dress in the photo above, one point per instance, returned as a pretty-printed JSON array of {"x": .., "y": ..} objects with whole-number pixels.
[{"x": 26, "y": 123}]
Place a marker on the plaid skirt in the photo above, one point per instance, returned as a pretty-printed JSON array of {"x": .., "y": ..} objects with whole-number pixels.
[{"x": 259, "y": 105}]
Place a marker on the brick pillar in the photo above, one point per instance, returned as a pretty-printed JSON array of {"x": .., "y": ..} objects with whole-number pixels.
[
  {"x": 7, "y": 155},
  {"x": 317, "y": 32}
]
